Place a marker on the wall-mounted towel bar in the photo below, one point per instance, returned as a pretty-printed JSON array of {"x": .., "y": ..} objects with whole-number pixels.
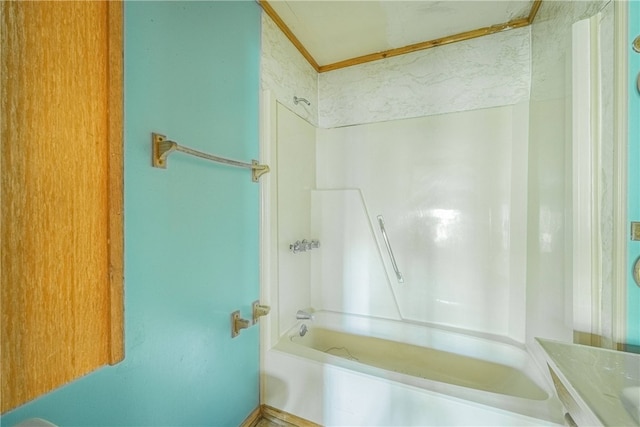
[
  {"x": 386, "y": 242},
  {"x": 161, "y": 148}
]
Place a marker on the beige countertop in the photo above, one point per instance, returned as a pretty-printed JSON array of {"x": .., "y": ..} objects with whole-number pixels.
[{"x": 604, "y": 384}]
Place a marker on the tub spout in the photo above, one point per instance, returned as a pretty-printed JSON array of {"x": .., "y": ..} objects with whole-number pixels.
[{"x": 304, "y": 315}]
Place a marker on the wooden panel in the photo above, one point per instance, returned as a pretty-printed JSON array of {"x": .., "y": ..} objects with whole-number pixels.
[
  {"x": 57, "y": 145},
  {"x": 116, "y": 178}
]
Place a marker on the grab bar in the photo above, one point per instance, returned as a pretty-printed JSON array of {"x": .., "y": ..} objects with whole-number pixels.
[{"x": 386, "y": 242}]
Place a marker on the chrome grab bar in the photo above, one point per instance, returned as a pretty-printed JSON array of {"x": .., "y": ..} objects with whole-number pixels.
[{"x": 386, "y": 242}]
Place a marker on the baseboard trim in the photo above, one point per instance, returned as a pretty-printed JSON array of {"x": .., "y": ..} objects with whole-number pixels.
[
  {"x": 253, "y": 418},
  {"x": 274, "y": 414}
]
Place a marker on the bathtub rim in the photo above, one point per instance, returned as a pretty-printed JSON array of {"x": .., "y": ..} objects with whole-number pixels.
[
  {"x": 548, "y": 409},
  {"x": 384, "y": 328}
]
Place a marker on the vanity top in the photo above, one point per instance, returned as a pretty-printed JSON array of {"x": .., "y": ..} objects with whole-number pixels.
[{"x": 605, "y": 383}]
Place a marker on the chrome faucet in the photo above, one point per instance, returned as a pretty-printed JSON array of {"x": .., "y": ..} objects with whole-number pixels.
[
  {"x": 304, "y": 315},
  {"x": 303, "y": 330}
]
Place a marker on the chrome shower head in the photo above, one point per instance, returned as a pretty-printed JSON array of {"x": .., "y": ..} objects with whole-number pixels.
[{"x": 297, "y": 100}]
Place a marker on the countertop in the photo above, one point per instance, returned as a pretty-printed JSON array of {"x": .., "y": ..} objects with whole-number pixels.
[{"x": 597, "y": 379}]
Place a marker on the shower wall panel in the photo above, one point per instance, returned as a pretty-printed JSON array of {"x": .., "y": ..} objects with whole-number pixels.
[
  {"x": 549, "y": 276},
  {"x": 295, "y": 170},
  {"x": 451, "y": 189},
  {"x": 348, "y": 275}
]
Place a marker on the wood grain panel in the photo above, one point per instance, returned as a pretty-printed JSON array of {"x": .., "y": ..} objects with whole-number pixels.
[
  {"x": 57, "y": 318},
  {"x": 116, "y": 178}
]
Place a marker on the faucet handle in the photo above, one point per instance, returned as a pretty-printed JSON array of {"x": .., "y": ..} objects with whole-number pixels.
[
  {"x": 304, "y": 245},
  {"x": 296, "y": 247}
]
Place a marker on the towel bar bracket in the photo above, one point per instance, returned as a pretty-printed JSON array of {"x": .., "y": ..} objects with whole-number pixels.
[
  {"x": 257, "y": 170},
  {"x": 161, "y": 149}
]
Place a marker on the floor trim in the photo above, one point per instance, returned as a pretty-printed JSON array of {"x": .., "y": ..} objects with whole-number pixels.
[
  {"x": 274, "y": 414},
  {"x": 254, "y": 417}
]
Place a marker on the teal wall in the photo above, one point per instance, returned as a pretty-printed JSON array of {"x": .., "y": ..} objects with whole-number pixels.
[
  {"x": 633, "y": 291},
  {"x": 191, "y": 231}
]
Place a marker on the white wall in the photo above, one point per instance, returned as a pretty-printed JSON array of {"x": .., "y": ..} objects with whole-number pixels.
[
  {"x": 479, "y": 73},
  {"x": 607, "y": 167},
  {"x": 285, "y": 72},
  {"x": 549, "y": 300},
  {"x": 490, "y": 71},
  {"x": 295, "y": 174},
  {"x": 485, "y": 72},
  {"x": 502, "y": 69},
  {"x": 453, "y": 205}
]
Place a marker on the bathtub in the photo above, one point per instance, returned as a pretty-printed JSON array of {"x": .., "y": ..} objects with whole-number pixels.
[{"x": 362, "y": 371}]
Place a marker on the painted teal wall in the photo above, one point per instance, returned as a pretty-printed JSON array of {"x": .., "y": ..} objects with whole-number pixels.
[
  {"x": 633, "y": 291},
  {"x": 191, "y": 231}
]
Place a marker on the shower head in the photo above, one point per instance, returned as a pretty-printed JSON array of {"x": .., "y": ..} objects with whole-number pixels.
[{"x": 297, "y": 100}]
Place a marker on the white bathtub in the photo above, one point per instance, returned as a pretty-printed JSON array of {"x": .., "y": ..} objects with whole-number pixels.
[{"x": 361, "y": 371}]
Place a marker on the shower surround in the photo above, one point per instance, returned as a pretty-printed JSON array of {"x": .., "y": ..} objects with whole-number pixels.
[
  {"x": 439, "y": 143},
  {"x": 453, "y": 199},
  {"x": 436, "y": 143}
]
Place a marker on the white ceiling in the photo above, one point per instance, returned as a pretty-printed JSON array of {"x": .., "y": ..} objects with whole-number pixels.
[{"x": 334, "y": 31}]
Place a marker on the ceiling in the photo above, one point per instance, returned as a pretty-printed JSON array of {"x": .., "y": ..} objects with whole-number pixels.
[{"x": 334, "y": 34}]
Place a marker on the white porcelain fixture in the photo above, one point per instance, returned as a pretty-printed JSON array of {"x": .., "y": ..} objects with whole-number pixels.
[
  {"x": 453, "y": 200},
  {"x": 357, "y": 370}
]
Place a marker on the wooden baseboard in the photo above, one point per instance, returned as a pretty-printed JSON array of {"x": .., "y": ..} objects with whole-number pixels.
[
  {"x": 274, "y": 414},
  {"x": 253, "y": 418}
]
